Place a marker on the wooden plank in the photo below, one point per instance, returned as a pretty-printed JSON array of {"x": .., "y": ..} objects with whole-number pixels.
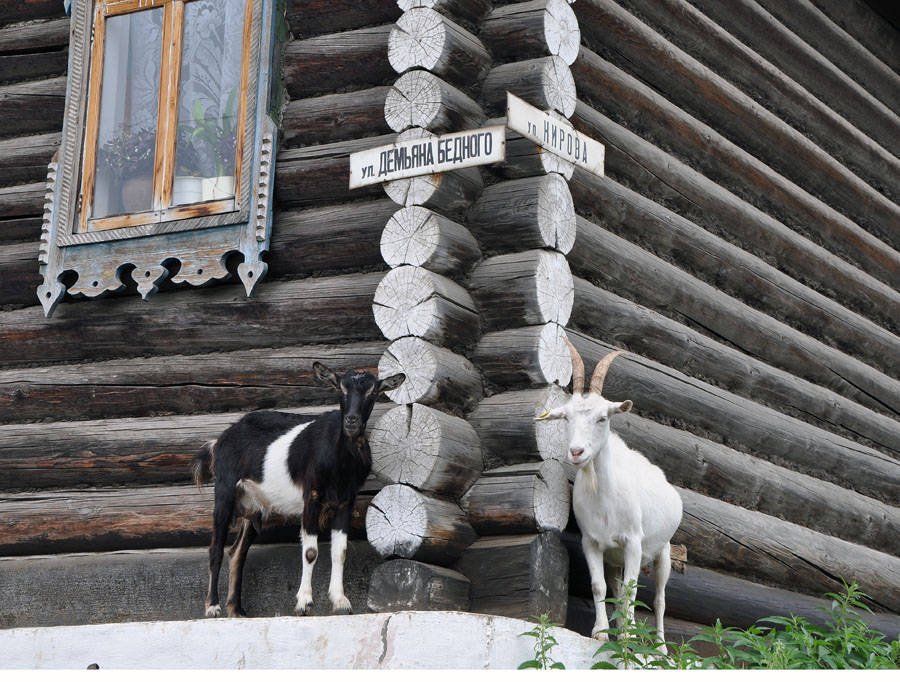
[
  {"x": 23, "y": 200},
  {"x": 733, "y": 271},
  {"x": 22, "y": 67},
  {"x": 671, "y": 182},
  {"x": 177, "y": 384},
  {"x": 692, "y": 85},
  {"x": 19, "y": 275},
  {"x": 338, "y": 62},
  {"x": 318, "y": 17},
  {"x": 111, "y": 519},
  {"x": 332, "y": 118},
  {"x": 864, "y": 23},
  {"x": 625, "y": 324},
  {"x": 32, "y": 107},
  {"x": 12, "y": 11},
  {"x": 36, "y": 37},
  {"x": 626, "y": 268},
  {"x": 23, "y": 160},
  {"x": 317, "y": 310},
  {"x": 670, "y": 394}
]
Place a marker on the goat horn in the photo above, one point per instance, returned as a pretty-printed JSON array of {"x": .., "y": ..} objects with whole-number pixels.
[
  {"x": 600, "y": 371},
  {"x": 577, "y": 369}
]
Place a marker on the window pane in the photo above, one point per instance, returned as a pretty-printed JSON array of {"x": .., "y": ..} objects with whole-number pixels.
[
  {"x": 208, "y": 101},
  {"x": 128, "y": 113}
]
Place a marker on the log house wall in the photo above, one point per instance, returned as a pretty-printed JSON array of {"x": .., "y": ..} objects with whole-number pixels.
[{"x": 742, "y": 247}]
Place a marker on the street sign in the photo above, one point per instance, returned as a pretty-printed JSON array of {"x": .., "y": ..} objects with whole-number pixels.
[
  {"x": 435, "y": 154},
  {"x": 555, "y": 135}
]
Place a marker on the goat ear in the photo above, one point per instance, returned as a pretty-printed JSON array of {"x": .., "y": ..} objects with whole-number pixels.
[
  {"x": 626, "y": 406},
  {"x": 556, "y": 413},
  {"x": 390, "y": 383},
  {"x": 326, "y": 377}
]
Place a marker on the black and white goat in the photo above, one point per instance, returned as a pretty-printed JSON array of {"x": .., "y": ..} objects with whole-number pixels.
[
  {"x": 626, "y": 510},
  {"x": 293, "y": 465}
]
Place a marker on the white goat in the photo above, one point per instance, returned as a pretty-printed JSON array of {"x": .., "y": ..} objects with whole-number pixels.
[{"x": 625, "y": 508}]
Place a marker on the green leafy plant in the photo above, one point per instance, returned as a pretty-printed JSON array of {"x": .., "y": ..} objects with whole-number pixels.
[
  {"x": 217, "y": 135},
  {"x": 544, "y": 642},
  {"x": 129, "y": 153}
]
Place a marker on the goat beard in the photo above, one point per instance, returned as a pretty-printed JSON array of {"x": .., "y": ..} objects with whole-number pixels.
[{"x": 590, "y": 476}]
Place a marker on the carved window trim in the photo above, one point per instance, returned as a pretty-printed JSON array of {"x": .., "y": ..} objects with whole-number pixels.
[{"x": 200, "y": 245}]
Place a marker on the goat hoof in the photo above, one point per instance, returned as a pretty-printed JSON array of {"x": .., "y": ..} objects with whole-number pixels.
[
  {"x": 213, "y": 611},
  {"x": 598, "y": 634},
  {"x": 304, "y": 609},
  {"x": 235, "y": 612}
]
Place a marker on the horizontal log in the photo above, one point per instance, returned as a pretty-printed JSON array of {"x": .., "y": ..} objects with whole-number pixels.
[
  {"x": 330, "y": 118},
  {"x": 420, "y": 237},
  {"x": 24, "y": 160},
  {"x": 749, "y": 330},
  {"x": 720, "y": 536},
  {"x": 625, "y": 324},
  {"x": 804, "y": 64},
  {"x": 545, "y": 83},
  {"x": 525, "y": 158},
  {"x": 741, "y": 423},
  {"x": 32, "y": 107},
  {"x": 111, "y": 519},
  {"x": 869, "y": 27},
  {"x": 694, "y": 86},
  {"x": 528, "y": 288},
  {"x": 427, "y": 449},
  {"x": 522, "y": 498},
  {"x": 421, "y": 99},
  {"x": 508, "y": 432},
  {"x": 338, "y": 62},
  {"x": 404, "y": 585},
  {"x": 411, "y": 301},
  {"x": 615, "y": 92},
  {"x": 318, "y": 17},
  {"x": 739, "y": 478},
  {"x": 321, "y": 174},
  {"x": 533, "y": 29},
  {"x": 35, "y": 37},
  {"x": 704, "y": 596},
  {"x": 472, "y": 11},
  {"x": 16, "y": 10},
  {"x": 434, "y": 375},
  {"x": 425, "y": 39},
  {"x": 770, "y": 87},
  {"x": 734, "y": 271},
  {"x": 518, "y": 576},
  {"x": 176, "y": 384},
  {"x": 319, "y": 310},
  {"x": 22, "y": 67},
  {"x": 402, "y": 522},
  {"x": 530, "y": 213},
  {"x": 23, "y": 200},
  {"x": 19, "y": 275},
  {"x": 528, "y": 356},
  {"x": 716, "y": 209}
]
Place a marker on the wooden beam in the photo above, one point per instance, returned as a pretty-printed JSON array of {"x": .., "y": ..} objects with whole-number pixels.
[
  {"x": 422, "y": 99},
  {"x": 861, "y": 21},
  {"x": 525, "y": 357},
  {"x": 318, "y": 17},
  {"x": 417, "y": 236},
  {"x": 545, "y": 82},
  {"x": 331, "y": 118},
  {"x": 32, "y": 107},
  {"x": 404, "y": 585},
  {"x": 533, "y": 29},
  {"x": 12, "y": 11},
  {"x": 22, "y": 200},
  {"x": 471, "y": 11},
  {"x": 23, "y": 160}
]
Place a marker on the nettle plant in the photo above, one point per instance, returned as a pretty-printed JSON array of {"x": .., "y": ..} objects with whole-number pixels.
[{"x": 781, "y": 643}]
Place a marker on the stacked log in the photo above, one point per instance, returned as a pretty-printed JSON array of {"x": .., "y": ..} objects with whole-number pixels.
[{"x": 428, "y": 452}]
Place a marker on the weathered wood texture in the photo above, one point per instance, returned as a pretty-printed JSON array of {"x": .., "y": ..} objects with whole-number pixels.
[
  {"x": 690, "y": 83},
  {"x": 706, "y": 41},
  {"x": 422, "y": 99},
  {"x": 545, "y": 83},
  {"x": 518, "y": 575},
  {"x": 471, "y": 11},
  {"x": 748, "y": 544},
  {"x": 419, "y": 237},
  {"x": 318, "y": 17},
  {"x": 23, "y": 200},
  {"x": 109, "y": 519},
  {"x": 525, "y": 158},
  {"x": 626, "y": 268},
  {"x": 626, "y": 324},
  {"x": 34, "y": 51},
  {"x": 449, "y": 192},
  {"x": 804, "y": 64},
  {"x": 19, "y": 275},
  {"x": 32, "y": 107},
  {"x": 331, "y": 118},
  {"x": 402, "y": 522},
  {"x": 528, "y": 356},
  {"x": 426, "y": 449},
  {"x": 869, "y": 28},
  {"x": 318, "y": 310},
  {"x": 24, "y": 160},
  {"x": 404, "y": 585},
  {"x": 744, "y": 424},
  {"x": 619, "y": 94},
  {"x": 694, "y": 196},
  {"x": 522, "y": 498},
  {"x": 12, "y": 11},
  {"x": 177, "y": 384},
  {"x": 340, "y": 61},
  {"x": 413, "y": 301},
  {"x": 533, "y": 29},
  {"x": 425, "y": 39}
]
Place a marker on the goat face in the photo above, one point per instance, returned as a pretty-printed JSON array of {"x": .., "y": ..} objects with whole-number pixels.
[
  {"x": 588, "y": 418},
  {"x": 358, "y": 392}
]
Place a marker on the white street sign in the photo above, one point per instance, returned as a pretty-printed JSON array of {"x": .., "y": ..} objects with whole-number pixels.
[
  {"x": 555, "y": 135},
  {"x": 427, "y": 155}
]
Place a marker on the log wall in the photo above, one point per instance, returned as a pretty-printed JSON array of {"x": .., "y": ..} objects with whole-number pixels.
[{"x": 742, "y": 247}]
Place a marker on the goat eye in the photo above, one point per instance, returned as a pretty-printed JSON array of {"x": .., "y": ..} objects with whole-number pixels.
[{"x": 602, "y": 419}]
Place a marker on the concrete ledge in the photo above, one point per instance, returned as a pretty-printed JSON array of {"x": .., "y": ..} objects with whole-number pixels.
[{"x": 408, "y": 640}]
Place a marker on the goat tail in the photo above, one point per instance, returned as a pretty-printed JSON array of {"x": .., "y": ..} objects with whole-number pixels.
[{"x": 202, "y": 464}]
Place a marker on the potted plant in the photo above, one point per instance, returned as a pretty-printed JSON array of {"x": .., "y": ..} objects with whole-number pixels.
[
  {"x": 187, "y": 187},
  {"x": 219, "y": 137},
  {"x": 129, "y": 156}
]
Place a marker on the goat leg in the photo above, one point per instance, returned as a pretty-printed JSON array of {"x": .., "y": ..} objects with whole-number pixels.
[{"x": 246, "y": 536}]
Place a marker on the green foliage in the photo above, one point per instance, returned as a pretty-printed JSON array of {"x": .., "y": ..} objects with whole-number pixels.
[
  {"x": 844, "y": 642},
  {"x": 544, "y": 642}
]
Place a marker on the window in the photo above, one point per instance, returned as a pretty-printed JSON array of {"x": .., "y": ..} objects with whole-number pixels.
[{"x": 167, "y": 148}]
